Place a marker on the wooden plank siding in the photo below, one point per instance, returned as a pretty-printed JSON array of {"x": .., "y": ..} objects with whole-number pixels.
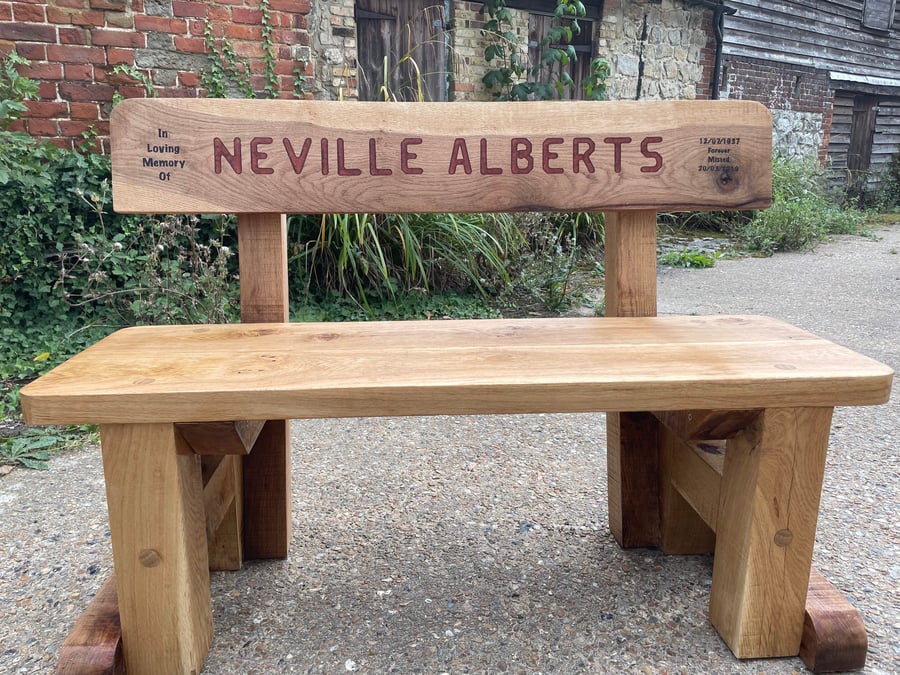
[
  {"x": 852, "y": 69},
  {"x": 825, "y": 35}
]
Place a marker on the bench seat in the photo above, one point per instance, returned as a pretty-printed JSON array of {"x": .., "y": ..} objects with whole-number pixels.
[{"x": 289, "y": 371}]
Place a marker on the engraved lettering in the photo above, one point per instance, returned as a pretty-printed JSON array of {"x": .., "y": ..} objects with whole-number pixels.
[
  {"x": 406, "y": 156},
  {"x": 220, "y": 152},
  {"x": 460, "y": 157},
  {"x": 256, "y": 155}
]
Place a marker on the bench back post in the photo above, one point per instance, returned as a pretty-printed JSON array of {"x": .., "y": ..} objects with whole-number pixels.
[{"x": 263, "y": 269}]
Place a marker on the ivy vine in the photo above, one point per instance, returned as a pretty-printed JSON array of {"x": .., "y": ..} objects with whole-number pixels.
[{"x": 512, "y": 78}]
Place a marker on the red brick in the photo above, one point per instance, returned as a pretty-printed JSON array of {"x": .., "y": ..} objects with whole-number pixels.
[
  {"x": 42, "y": 127},
  {"x": 131, "y": 91},
  {"x": 77, "y": 128},
  {"x": 86, "y": 92},
  {"x": 287, "y": 37},
  {"x": 243, "y": 32},
  {"x": 117, "y": 38},
  {"x": 29, "y": 13},
  {"x": 188, "y": 79},
  {"x": 84, "y": 111},
  {"x": 47, "y": 91},
  {"x": 160, "y": 24},
  {"x": 32, "y": 51},
  {"x": 18, "y": 126},
  {"x": 79, "y": 71},
  {"x": 218, "y": 13},
  {"x": 47, "y": 109},
  {"x": 75, "y": 54},
  {"x": 248, "y": 49},
  {"x": 73, "y": 4},
  {"x": 246, "y": 15},
  {"x": 194, "y": 9},
  {"x": 299, "y": 6},
  {"x": 109, "y": 5},
  {"x": 177, "y": 92},
  {"x": 5, "y": 11},
  {"x": 29, "y": 32},
  {"x": 115, "y": 57},
  {"x": 42, "y": 71},
  {"x": 190, "y": 45},
  {"x": 197, "y": 27},
  {"x": 74, "y": 36}
]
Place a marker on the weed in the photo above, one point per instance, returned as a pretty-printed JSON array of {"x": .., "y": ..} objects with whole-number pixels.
[
  {"x": 31, "y": 449},
  {"x": 690, "y": 258}
]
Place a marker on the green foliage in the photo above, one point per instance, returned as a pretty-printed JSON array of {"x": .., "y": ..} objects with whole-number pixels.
[
  {"x": 70, "y": 271},
  {"x": 14, "y": 90},
  {"x": 412, "y": 305},
  {"x": 689, "y": 258},
  {"x": 227, "y": 71},
  {"x": 802, "y": 211},
  {"x": 144, "y": 79},
  {"x": 365, "y": 255},
  {"x": 31, "y": 449},
  {"x": 887, "y": 198},
  {"x": 543, "y": 270},
  {"x": 512, "y": 78}
]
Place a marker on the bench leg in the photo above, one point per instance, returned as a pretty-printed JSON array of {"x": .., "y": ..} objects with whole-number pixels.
[
  {"x": 267, "y": 493},
  {"x": 633, "y": 488},
  {"x": 157, "y": 522},
  {"x": 768, "y": 508}
]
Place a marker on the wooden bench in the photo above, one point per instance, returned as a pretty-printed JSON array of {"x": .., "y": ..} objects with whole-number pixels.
[{"x": 193, "y": 419}]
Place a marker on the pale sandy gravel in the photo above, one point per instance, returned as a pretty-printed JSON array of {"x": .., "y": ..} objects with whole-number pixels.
[{"x": 480, "y": 544}]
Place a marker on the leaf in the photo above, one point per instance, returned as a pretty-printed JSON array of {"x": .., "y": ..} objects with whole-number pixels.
[{"x": 43, "y": 356}]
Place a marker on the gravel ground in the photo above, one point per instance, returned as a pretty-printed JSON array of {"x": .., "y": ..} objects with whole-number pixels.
[{"x": 479, "y": 544}]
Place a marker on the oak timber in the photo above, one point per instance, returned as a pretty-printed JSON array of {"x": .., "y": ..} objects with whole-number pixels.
[
  {"x": 289, "y": 371},
  {"x": 94, "y": 647},
  {"x": 254, "y": 156}
]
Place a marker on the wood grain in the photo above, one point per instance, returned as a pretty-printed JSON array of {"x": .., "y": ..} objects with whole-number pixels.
[
  {"x": 834, "y": 637},
  {"x": 262, "y": 255},
  {"x": 94, "y": 647},
  {"x": 768, "y": 508},
  {"x": 632, "y": 455},
  {"x": 155, "y": 499},
  {"x": 250, "y": 156},
  {"x": 290, "y": 371}
]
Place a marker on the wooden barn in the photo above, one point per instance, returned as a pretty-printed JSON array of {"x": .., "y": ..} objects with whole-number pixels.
[{"x": 830, "y": 72}]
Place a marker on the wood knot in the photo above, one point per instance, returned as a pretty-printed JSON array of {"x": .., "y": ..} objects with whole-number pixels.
[
  {"x": 783, "y": 537},
  {"x": 727, "y": 179},
  {"x": 149, "y": 557}
]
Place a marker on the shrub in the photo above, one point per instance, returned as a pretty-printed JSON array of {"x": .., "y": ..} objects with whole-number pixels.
[{"x": 802, "y": 212}]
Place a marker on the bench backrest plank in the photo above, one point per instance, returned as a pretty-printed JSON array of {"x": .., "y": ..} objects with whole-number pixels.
[{"x": 252, "y": 156}]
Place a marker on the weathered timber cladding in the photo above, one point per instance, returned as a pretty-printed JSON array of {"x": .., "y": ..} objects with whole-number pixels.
[
  {"x": 823, "y": 35},
  {"x": 809, "y": 60}
]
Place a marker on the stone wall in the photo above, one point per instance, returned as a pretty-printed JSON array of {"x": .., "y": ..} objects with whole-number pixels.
[
  {"x": 75, "y": 45},
  {"x": 657, "y": 50},
  {"x": 333, "y": 33}
]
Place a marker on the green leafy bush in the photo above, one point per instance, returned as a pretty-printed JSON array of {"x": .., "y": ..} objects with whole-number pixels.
[{"x": 802, "y": 212}]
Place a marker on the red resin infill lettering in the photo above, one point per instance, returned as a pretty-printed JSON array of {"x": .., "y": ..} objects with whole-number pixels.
[{"x": 482, "y": 156}]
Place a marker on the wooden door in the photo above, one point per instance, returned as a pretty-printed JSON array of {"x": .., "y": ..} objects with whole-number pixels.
[{"x": 401, "y": 50}]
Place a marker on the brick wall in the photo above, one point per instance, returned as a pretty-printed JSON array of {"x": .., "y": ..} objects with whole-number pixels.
[
  {"x": 799, "y": 97},
  {"x": 74, "y": 46}
]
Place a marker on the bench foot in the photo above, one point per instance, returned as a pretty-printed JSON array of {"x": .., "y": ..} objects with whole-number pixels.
[
  {"x": 94, "y": 647},
  {"x": 157, "y": 524},
  {"x": 834, "y": 636}
]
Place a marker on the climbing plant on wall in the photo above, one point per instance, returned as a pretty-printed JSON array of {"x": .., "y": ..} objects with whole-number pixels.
[{"x": 512, "y": 77}]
